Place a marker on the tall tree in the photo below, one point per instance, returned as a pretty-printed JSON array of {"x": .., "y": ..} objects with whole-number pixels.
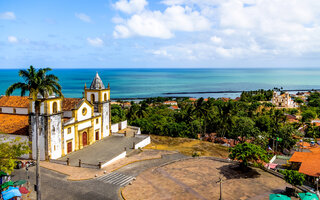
[
  {"x": 247, "y": 152},
  {"x": 37, "y": 82},
  {"x": 201, "y": 111},
  {"x": 10, "y": 151}
]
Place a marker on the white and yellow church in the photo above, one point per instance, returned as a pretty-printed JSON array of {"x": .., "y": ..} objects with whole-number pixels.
[{"x": 67, "y": 124}]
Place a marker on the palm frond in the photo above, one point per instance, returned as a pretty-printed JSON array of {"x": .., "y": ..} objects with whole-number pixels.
[{"x": 15, "y": 86}]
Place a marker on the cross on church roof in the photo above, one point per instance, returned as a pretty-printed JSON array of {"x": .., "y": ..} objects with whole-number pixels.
[{"x": 97, "y": 83}]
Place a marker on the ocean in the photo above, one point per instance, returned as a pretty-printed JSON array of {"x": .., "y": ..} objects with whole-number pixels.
[{"x": 140, "y": 83}]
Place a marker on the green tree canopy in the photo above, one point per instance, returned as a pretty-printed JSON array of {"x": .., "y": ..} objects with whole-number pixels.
[
  {"x": 247, "y": 152},
  {"x": 10, "y": 151},
  {"x": 308, "y": 115},
  {"x": 117, "y": 114},
  {"x": 293, "y": 177},
  {"x": 244, "y": 128}
]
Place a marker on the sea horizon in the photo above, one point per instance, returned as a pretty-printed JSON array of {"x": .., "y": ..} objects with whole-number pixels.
[{"x": 130, "y": 83}]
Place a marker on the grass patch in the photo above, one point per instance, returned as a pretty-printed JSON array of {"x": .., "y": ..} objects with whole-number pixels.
[{"x": 188, "y": 146}]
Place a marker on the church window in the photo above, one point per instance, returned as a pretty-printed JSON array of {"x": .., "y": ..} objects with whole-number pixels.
[
  {"x": 84, "y": 111},
  {"x": 54, "y": 147},
  {"x": 97, "y": 121},
  {"x": 105, "y": 96},
  {"x": 53, "y": 130},
  {"x": 54, "y": 107},
  {"x": 69, "y": 130},
  {"x": 14, "y": 111},
  {"x": 92, "y": 98}
]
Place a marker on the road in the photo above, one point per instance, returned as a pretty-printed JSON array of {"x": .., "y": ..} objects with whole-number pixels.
[{"x": 55, "y": 186}]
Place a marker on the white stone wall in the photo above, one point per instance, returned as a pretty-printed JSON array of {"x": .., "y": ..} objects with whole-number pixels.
[
  {"x": 96, "y": 96},
  {"x": 41, "y": 137},
  {"x": 84, "y": 125},
  {"x": 97, "y": 127},
  {"x": 105, "y": 119},
  {"x": 143, "y": 143},
  {"x": 68, "y": 136},
  {"x": 124, "y": 124},
  {"x": 55, "y": 130},
  {"x": 114, "y": 128},
  {"x": 21, "y": 111},
  {"x": 50, "y": 104},
  {"x": 11, "y": 137},
  {"x": 122, "y": 155},
  {"x": 88, "y": 115},
  {"x": 107, "y": 93}
]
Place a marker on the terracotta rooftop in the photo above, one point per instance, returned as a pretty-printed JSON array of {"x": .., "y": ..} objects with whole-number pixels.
[
  {"x": 14, "y": 101},
  {"x": 174, "y": 107},
  {"x": 14, "y": 124},
  {"x": 310, "y": 162},
  {"x": 70, "y": 103},
  {"x": 169, "y": 102}
]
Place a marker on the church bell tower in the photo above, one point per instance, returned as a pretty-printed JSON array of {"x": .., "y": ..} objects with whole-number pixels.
[{"x": 99, "y": 96}]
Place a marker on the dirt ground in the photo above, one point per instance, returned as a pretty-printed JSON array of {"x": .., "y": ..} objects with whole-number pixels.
[
  {"x": 197, "y": 179},
  {"x": 188, "y": 146}
]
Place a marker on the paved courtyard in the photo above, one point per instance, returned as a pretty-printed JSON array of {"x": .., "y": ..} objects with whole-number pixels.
[
  {"x": 197, "y": 179},
  {"x": 102, "y": 150}
]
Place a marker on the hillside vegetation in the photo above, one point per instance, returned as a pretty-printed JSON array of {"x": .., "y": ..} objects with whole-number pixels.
[{"x": 187, "y": 146}]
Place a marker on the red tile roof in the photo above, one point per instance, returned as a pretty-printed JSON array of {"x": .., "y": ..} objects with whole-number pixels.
[
  {"x": 14, "y": 124},
  {"x": 14, "y": 101},
  {"x": 70, "y": 103},
  {"x": 174, "y": 107},
  {"x": 310, "y": 162},
  {"x": 169, "y": 102}
]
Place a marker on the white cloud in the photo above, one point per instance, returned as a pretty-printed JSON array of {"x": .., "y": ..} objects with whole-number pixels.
[
  {"x": 228, "y": 28},
  {"x": 7, "y": 15},
  {"x": 12, "y": 39},
  {"x": 216, "y": 39},
  {"x": 83, "y": 17},
  {"x": 96, "y": 42},
  {"x": 131, "y": 6},
  {"x": 162, "y": 24}
]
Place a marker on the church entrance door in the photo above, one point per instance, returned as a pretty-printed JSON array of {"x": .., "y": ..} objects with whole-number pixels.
[
  {"x": 69, "y": 147},
  {"x": 97, "y": 135},
  {"x": 84, "y": 138}
]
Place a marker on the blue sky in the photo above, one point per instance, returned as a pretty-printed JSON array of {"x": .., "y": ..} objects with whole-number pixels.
[{"x": 162, "y": 34}]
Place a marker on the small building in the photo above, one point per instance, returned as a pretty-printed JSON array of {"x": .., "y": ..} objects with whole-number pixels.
[
  {"x": 307, "y": 163},
  {"x": 174, "y": 108},
  {"x": 172, "y": 103},
  {"x": 283, "y": 100}
]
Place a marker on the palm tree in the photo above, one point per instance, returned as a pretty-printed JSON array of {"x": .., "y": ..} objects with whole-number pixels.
[
  {"x": 201, "y": 111},
  {"x": 37, "y": 82}
]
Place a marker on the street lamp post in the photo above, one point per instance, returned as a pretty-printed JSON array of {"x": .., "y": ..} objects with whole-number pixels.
[
  {"x": 220, "y": 181},
  {"x": 317, "y": 190}
]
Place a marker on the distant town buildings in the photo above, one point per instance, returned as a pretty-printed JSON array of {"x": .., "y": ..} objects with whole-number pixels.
[
  {"x": 283, "y": 100},
  {"x": 172, "y": 103}
]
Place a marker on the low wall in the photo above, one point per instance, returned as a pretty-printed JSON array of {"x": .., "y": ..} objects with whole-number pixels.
[
  {"x": 121, "y": 125},
  {"x": 143, "y": 143},
  {"x": 11, "y": 137},
  {"x": 114, "y": 128},
  {"x": 118, "y": 157},
  {"x": 137, "y": 129},
  {"x": 273, "y": 159},
  {"x": 124, "y": 124}
]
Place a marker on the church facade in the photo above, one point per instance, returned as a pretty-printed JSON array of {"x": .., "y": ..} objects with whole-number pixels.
[{"x": 66, "y": 124}]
